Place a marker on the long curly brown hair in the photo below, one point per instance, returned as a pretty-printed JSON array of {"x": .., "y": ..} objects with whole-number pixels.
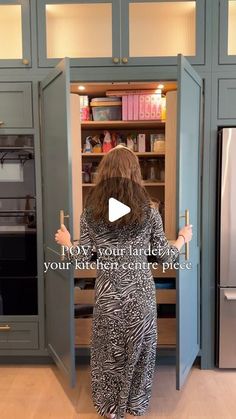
[{"x": 119, "y": 176}]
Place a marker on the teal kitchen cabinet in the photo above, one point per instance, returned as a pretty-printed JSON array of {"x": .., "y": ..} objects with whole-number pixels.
[
  {"x": 15, "y": 39},
  {"x": 15, "y": 105},
  {"x": 120, "y": 32},
  {"x": 61, "y": 148},
  {"x": 227, "y": 32},
  {"x": 87, "y": 31},
  {"x": 226, "y": 99},
  {"x": 18, "y": 334},
  {"x": 154, "y": 32}
]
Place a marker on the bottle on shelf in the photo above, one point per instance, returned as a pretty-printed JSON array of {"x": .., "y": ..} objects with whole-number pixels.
[{"x": 107, "y": 142}]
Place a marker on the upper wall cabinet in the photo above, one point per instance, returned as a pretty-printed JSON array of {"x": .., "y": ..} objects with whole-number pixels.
[
  {"x": 15, "y": 44},
  {"x": 86, "y": 31},
  {"x": 156, "y": 31},
  {"x": 227, "y": 32},
  {"x": 120, "y": 32}
]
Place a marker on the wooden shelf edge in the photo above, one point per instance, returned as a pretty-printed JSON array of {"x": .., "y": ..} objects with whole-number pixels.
[
  {"x": 137, "y": 153},
  {"x": 92, "y": 273},
  {"x": 124, "y": 124},
  {"x": 150, "y": 184}
]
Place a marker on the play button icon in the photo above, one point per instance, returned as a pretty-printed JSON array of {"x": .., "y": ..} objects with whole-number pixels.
[{"x": 117, "y": 209}]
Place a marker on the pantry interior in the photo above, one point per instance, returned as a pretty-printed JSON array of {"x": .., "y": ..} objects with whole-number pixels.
[{"x": 158, "y": 167}]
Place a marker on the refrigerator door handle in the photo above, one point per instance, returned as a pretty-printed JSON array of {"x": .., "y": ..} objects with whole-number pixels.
[{"x": 230, "y": 295}]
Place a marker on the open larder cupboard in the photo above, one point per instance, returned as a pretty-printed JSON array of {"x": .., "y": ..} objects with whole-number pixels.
[
  {"x": 159, "y": 189},
  {"x": 64, "y": 193}
]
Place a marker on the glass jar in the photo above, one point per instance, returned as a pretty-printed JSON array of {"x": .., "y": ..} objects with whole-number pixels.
[
  {"x": 157, "y": 143},
  {"x": 152, "y": 170},
  {"x": 143, "y": 167},
  {"x": 162, "y": 170}
]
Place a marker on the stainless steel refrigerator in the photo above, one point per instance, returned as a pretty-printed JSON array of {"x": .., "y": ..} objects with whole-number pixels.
[{"x": 226, "y": 250}]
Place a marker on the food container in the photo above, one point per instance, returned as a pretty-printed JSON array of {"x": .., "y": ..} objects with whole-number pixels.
[
  {"x": 157, "y": 143},
  {"x": 152, "y": 170},
  {"x": 86, "y": 172},
  {"x": 163, "y": 108},
  {"x": 94, "y": 177},
  {"x": 84, "y": 108},
  {"x": 85, "y": 177},
  {"x": 97, "y": 148},
  {"x": 106, "y": 109},
  {"x": 162, "y": 170},
  {"x": 143, "y": 166}
]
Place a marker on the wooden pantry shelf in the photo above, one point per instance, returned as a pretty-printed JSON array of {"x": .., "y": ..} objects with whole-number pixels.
[
  {"x": 122, "y": 124},
  {"x": 154, "y": 183},
  {"x": 157, "y": 273},
  {"x": 145, "y": 184},
  {"x": 144, "y": 154}
]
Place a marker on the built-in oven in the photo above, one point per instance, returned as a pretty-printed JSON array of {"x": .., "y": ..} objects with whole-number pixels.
[
  {"x": 18, "y": 251},
  {"x": 18, "y": 238}
]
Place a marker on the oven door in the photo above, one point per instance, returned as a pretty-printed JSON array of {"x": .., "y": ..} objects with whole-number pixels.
[{"x": 18, "y": 253}]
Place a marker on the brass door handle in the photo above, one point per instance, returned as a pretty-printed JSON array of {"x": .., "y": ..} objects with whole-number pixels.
[
  {"x": 124, "y": 60},
  {"x": 1, "y": 123},
  {"x": 186, "y": 216},
  {"x": 116, "y": 60},
  {"x": 25, "y": 61},
  {"x": 62, "y": 217},
  {"x": 230, "y": 295},
  {"x": 4, "y": 328}
]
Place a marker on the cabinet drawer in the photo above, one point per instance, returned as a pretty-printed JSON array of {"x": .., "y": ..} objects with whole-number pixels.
[
  {"x": 16, "y": 105},
  {"x": 18, "y": 335},
  {"x": 84, "y": 296},
  {"x": 227, "y": 99},
  {"x": 165, "y": 296},
  {"x": 166, "y": 331},
  {"x": 83, "y": 331}
]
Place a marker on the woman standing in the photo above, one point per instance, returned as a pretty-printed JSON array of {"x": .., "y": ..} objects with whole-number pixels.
[{"x": 124, "y": 329}]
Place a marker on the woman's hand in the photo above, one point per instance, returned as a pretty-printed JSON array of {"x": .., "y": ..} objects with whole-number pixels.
[
  {"x": 62, "y": 236},
  {"x": 186, "y": 232}
]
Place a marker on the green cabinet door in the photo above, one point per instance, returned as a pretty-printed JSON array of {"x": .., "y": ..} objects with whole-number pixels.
[
  {"x": 15, "y": 106},
  {"x": 188, "y": 211},
  {"x": 153, "y": 32},
  {"x": 15, "y": 36},
  {"x": 86, "y": 31},
  {"x": 57, "y": 195}
]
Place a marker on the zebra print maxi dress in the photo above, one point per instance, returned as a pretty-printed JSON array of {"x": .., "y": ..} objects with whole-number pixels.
[{"x": 124, "y": 326}]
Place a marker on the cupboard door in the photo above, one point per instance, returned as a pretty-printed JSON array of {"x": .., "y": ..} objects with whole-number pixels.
[
  {"x": 87, "y": 31},
  {"x": 15, "y": 33},
  {"x": 57, "y": 195},
  {"x": 155, "y": 31},
  {"x": 188, "y": 198},
  {"x": 227, "y": 29},
  {"x": 16, "y": 109}
]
